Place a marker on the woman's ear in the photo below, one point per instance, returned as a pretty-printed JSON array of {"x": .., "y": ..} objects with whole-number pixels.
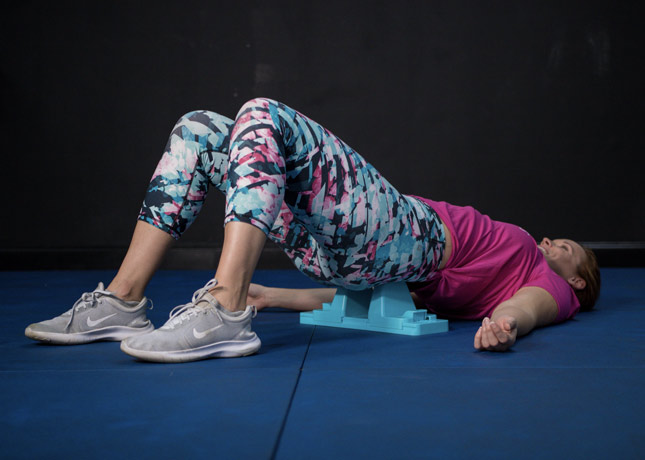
[{"x": 577, "y": 283}]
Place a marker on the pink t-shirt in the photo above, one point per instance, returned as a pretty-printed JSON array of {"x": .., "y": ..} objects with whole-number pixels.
[{"x": 490, "y": 262}]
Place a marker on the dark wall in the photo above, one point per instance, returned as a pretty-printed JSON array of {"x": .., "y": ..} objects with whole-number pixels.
[{"x": 530, "y": 111}]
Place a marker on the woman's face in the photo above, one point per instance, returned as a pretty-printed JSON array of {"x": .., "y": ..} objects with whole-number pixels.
[{"x": 564, "y": 257}]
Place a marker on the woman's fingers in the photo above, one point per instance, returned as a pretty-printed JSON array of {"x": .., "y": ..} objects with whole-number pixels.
[
  {"x": 485, "y": 343},
  {"x": 492, "y": 337},
  {"x": 501, "y": 336},
  {"x": 478, "y": 339}
]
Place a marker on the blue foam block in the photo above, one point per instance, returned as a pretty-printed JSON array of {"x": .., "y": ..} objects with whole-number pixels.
[{"x": 386, "y": 308}]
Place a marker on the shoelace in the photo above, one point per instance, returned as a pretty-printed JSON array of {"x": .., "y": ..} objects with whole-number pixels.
[
  {"x": 89, "y": 300},
  {"x": 181, "y": 313}
]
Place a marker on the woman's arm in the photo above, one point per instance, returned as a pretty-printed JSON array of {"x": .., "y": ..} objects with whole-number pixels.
[
  {"x": 529, "y": 308},
  {"x": 293, "y": 299}
]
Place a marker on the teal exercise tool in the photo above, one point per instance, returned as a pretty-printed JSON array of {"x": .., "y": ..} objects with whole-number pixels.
[{"x": 385, "y": 308}]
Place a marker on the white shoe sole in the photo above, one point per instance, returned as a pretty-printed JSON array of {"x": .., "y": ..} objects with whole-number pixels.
[
  {"x": 111, "y": 333},
  {"x": 224, "y": 349}
]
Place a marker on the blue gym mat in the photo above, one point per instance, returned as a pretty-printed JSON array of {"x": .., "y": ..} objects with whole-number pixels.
[{"x": 567, "y": 391}]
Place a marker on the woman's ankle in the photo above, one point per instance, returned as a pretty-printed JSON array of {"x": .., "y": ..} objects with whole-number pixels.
[
  {"x": 125, "y": 290},
  {"x": 229, "y": 299}
]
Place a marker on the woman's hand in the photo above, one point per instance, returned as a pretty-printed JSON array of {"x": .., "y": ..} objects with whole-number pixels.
[
  {"x": 257, "y": 296},
  {"x": 498, "y": 335},
  {"x": 530, "y": 307},
  {"x": 291, "y": 299}
]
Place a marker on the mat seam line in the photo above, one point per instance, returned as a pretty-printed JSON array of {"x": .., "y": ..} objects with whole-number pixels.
[{"x": 276, "y": 446}]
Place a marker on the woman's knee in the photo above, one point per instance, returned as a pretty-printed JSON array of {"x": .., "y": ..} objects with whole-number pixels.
[
  {"x": 203, "y": 130},
  {"x": 182, "y": 132},
  {"x": 256, "y": 104},
  {"x": 202, "y": 117}
]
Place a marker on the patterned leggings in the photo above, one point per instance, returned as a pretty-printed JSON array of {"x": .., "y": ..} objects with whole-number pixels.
[{"x": 332, "y": 213}]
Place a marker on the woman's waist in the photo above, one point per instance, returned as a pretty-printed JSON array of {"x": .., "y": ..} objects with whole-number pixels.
[{"x": 447, "y": 251}]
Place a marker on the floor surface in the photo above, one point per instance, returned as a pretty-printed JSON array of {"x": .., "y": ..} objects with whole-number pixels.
[{"x": 569, "y": 391}]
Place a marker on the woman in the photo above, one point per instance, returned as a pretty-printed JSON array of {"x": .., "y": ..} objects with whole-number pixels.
[{"x": 341, "y": 223}]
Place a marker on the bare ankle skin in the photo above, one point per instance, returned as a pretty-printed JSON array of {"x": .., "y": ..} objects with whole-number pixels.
[
  {"x": 147, "y": 248},
  {"x": 230, "y": 299},
  {"x": 240, "y": 253},
  {"x": 125, "y": 290}
]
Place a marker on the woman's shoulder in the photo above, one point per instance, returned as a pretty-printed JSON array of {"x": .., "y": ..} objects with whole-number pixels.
[{"x": 563, "y": 294}]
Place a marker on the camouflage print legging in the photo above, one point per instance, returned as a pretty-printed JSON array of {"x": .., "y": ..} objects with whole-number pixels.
[{"x": 334, "y": 215}]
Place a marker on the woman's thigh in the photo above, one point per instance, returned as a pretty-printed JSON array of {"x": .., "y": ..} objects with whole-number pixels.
[{"x": 341, "y": 221}]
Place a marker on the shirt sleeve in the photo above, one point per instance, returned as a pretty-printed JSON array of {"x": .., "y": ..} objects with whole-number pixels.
[{"x": 560, "y": 290}]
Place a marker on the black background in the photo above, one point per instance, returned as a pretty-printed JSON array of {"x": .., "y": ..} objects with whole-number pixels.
[{"x": 530, "y": 111}]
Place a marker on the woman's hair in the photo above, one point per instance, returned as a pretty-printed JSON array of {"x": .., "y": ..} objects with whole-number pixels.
[{"x": 589, "y": 271}]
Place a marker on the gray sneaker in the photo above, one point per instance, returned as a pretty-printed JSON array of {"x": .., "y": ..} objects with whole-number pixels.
[
  {"x": 97, "y": 315},
  {"x": 198, "y": 330}
]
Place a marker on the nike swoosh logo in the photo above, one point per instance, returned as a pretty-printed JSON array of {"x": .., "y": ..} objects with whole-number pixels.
[
  {"x": 201, "y": 335},
  {"x": 91, "y": 323}
]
